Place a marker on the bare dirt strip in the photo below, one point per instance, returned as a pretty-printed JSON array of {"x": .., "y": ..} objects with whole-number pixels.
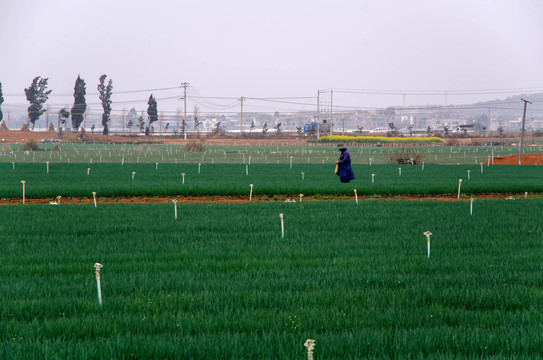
[{"x": 258, "y": 199}]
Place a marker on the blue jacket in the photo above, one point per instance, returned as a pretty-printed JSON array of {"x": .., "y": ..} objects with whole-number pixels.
[{"x": 345, "y": 169}]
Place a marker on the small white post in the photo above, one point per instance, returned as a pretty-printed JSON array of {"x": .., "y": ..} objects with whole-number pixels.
[
  {"x": 94, "y": 199},
  {"x": 133, "y": 173},
  {"x": 370, "y": 161},
  {"x": 468, "y": 174},
  {"x": 183, "y": 175},
  {"x": 459, "y": 185},
  {"x": 23, "y": 182},
  {"x": 13, "y": 163},
  {"x": 249, "y": 159},
  {"x": 423, "y": 166},
  {"x": 122, "y": 160},
  {"x": 492, "y": 156},
  {"x": 58, "y": 199},
  {"x": 301, "y": 196},
  {"x": 481, "y": 168},
  {"x": 291, "y": 163},
  {"x": 282, "y": 226},
  {"x": 251, "y": 192},
  {"x": 372, "y": 178},
  {"x": 400, "y": 171},
  {"x": 247, "y": 170},
  {"x": 199, "y": 165},
  {"x": 175, "y": 208},
  {"x": 471, "y": 206},
  {"x": 488, "y": 164},
  {"x": 310, "y": 345},
  {"x": 156, "y": 166},
  {"x": 47, "y": 162},
  {"x": 427, "y": 234},
  {"x": 97, "y": 267},
  {"x": 302, "y": 175}
]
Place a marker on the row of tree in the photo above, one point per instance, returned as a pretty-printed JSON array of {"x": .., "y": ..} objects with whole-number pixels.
[{"x": 37, "y": 95}]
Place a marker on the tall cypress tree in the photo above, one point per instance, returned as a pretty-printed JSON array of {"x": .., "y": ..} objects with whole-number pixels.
[
  {"x": 152, "y": 112},
  {"x": 37, "y": 95},
  {"x": 80, "y": 104},
  {"x": 105, "y": 97},
  {"x": 1, "y": 101}
]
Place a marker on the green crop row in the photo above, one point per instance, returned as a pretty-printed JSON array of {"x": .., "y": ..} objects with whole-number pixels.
[
  {"x": 108, "y": 180},
  {"x": 311, "y": 153},
  {"x": 221, "y": 282}
]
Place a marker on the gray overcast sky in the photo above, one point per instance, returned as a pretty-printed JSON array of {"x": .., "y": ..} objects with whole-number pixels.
[{"x": 274, "y": 48}]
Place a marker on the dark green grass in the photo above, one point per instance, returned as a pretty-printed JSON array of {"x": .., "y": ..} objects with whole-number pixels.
[
  {"x": 220, "y": 282},
  {"x": 107, "y": 180}
]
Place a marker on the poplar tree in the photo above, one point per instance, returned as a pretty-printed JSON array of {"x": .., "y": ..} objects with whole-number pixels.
[
  {"x": 152, "y": 112},
  {"x": 37, "y": 95},
  {"x": 105, "y": 96},
  {"x": 80, "y": 104}
]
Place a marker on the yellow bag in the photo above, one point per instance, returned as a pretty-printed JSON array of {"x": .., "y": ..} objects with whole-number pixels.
[{"x": 336, "y": 172}]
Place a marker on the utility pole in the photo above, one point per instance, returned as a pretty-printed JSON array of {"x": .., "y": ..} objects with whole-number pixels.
[
  {"x": 522, "y": 131},
  {"x": 332, "y": 112},
  {"x": 184, "y": 85},
  {"x": 241, "y": 100},
  {"x": 318, "y": 111}
]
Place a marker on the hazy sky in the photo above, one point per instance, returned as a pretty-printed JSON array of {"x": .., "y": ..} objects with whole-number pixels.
[{"x": 274, "y": 48}]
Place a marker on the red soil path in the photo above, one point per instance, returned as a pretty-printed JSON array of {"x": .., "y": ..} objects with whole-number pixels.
[{"x": 527, "y": 159}]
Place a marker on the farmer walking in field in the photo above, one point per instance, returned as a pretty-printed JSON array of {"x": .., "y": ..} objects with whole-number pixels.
[{"x": 345, "y": 170}]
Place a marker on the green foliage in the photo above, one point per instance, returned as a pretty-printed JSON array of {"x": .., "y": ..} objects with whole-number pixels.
[
  {"x": 105, "y": 96},
  {"x": 80, "y": 104},
  {"x": 194, "y": 146},
  {"x": 152, "y": 110},
  {"x": 37, "y": 96},
  {"x": 30, "y": 145},
  {"x": 220, "y": 282}
]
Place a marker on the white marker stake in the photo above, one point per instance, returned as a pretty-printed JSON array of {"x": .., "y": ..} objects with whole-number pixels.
[
  {"x": 47, "y": 162},
  {"x": 370, "y": 161},
  {"x": 459, "y": 185},
  {"x": 23, "y": 182},
  {"x": 94, "y": 198},
  {"x": 122, "y": 160},
  {"x": 13, "y": 165},
  {"x": 423, "y": 166},
  {"x": 372, "y": 178},
  {"x": 481, "y": 168},
  {"x": 471, "y": 206},
  {"x": 98, "y": 266},
  {"x": 156, "y": 166},
  {"x": 468, "y": 174},
  {"x": 301, "y": 196},
  {"x": 291, "y": 163},
  {"x": 133, "y": 173},
  {"x": 400, "y": 171},
  {"x": 282, "y": 226},
  {"x": 427, "y": 234},
  {"x": 247, "y": 170},
  {"x": 249, "y": 159},
  {"x": 356, "y": 196},
  {"x": 199, "y": 167},
  {"x": 488, "y": 164},
  {"x": 310, "y": 345},
  {"x": 251, "y": 192},
  {"x": 174, "y": 208},
  {"x": 302, "y": 175},
  {"x": 183, "y": 175},
  {"x": 88, "y": 171}
]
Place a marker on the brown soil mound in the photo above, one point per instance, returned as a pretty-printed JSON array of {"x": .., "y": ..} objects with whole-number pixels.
[{"x": 527, "y": 159}]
